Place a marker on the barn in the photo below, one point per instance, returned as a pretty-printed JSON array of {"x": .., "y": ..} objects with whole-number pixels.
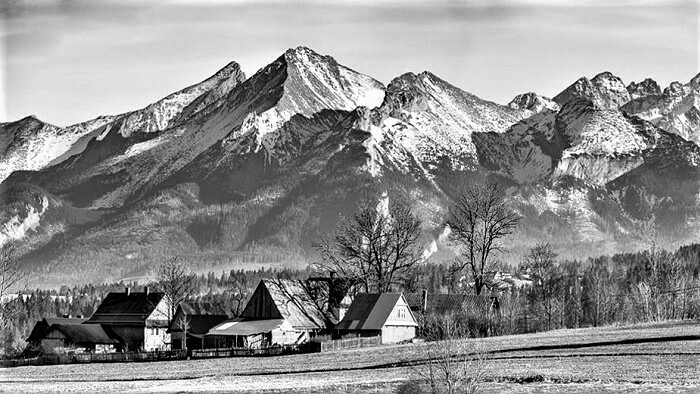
[
  {"x": 388, "y": 315},
  {"x": 280, "y": 312}
]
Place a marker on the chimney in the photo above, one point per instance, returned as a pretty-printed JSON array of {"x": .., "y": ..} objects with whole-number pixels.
[
  {"x": 146, "y": 290},
  {"x": 424, "y": 306},
  {"x": 128, "y": 290}
]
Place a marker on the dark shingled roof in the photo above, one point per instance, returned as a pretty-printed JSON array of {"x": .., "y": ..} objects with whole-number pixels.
[
  {"x": 200, "y": 324},
  {"x": 449, "y": 303},
  {"x": 85, "y": 333},
  {"x": 120, "y": 308},
  {"x": 41, "y": 326},
  {"x": 240, "y": 326},
  {"x": 200, "y": 316},
  {"x": 201, "y": 308},
  {"x": 369, "y": 311}
]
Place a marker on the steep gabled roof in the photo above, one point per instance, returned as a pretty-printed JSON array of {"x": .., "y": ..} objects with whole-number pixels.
[
  {"x": 41, "y": 326},
  {"x": 369, "y": 311},
  {"x": 86, "y": 333},
  {"x": 304, "y": 304},
  {"x": 121, "y": 308},
  {"x": 449, "y": 303}
]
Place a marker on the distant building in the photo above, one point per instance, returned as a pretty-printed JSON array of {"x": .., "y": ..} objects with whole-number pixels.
[
  {"x": 192, "y": 321},
  {"x": 451, "y": 303},
  {"x": 388, "y": 315},
  {"x": 61, "y": 338},
  {"x": 280, "y": 312},
  {"x": 139, "y": 319}
]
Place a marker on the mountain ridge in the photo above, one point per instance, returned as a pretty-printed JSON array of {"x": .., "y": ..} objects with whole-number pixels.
[{"x": 260, "y": 166}]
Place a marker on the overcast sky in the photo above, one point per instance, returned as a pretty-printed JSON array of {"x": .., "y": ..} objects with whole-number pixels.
[{"x": 69, "y": 61}]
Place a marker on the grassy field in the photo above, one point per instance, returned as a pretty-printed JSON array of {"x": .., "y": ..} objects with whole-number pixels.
[{"x": 641, "y": 358}]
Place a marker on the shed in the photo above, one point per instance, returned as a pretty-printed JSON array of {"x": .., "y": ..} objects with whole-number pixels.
[
  {"x": 90, "y": 337},
  {"x": 192, "y": 321},
  {"x": 386, "y": 314},
  {"x": 43, "y": 325}
]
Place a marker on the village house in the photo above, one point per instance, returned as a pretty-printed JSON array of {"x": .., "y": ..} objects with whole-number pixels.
[
  {"x": 388, "y": 315},
  {"x": 139, "y": 319},
  {"x": 191, "y": 321},
  {"x": 280, "y": 312}
]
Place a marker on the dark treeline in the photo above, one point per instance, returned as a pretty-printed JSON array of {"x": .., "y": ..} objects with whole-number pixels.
[
  {"x": 652, "y": 285},
  {"x": 645, "y": 286}
]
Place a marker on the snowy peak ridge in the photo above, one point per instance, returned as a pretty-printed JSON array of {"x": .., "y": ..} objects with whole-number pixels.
[
  {"x": 533, "y": 102},
  {"x": 162, "y": 114},
  {"x": 315, "y": 82},
  {"x": 676, "y": 109},
  {"x": 605, "y": 90},
  {"x": 646, "y": 88}
]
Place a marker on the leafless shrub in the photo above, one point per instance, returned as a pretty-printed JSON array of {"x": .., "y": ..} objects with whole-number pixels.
[{"x": 452, "y": 365}]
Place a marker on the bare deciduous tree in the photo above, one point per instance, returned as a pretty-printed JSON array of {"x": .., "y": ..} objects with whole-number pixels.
[
  {"x": 541, "y": 262},
  {"x": 376, "y": 248},
  {"x": 176, "y": 284},
  {"x": 10, "y": 275},
  {"x": 479, "y": 220}
]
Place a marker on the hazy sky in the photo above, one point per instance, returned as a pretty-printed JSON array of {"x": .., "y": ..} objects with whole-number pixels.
[{"x": 69, "y": 61}]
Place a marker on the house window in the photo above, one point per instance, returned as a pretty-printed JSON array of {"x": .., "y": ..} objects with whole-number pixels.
[{"x": 402, "y": 313}]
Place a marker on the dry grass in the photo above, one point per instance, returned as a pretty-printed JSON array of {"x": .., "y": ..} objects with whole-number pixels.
[{"x": 649, "y": 357}]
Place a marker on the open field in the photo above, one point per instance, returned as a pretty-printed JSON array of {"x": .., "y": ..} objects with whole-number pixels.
[{"x": 647, "y": 358}]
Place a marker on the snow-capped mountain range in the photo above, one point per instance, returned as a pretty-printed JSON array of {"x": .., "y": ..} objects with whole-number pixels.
[{"x": 235, "y": 167}]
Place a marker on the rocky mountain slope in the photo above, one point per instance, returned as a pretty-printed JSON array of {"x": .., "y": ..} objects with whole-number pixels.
[{"x": 236, "y": 171}]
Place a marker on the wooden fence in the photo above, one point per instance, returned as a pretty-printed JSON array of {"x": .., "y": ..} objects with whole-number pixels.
[
  {"x": 86, "y": 358},
  {"x": 243, "y": 351},
  {"x": 350, "y": 343}
]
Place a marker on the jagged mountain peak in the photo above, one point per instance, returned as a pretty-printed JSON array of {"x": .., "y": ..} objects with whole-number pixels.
[
  {"x": 645, "y": 88},
  {"x": 695, "y": 81},
  {"x": 533, "y": 102},
  {"x": 675, "y": 89},
  {"x": 605, "y": 90},
  {"x": 606, "y": 76}
]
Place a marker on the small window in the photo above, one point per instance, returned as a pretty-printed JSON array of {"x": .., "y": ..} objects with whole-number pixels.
[{"x": 402, "y": 313}]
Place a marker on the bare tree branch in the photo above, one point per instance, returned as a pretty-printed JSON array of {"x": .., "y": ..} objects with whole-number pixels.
[
  {"x": 479, "y": 220},
  {"x": 375, "y": 249}
]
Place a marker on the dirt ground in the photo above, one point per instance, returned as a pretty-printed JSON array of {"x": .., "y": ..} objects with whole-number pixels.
[{"x": 662, "y": 357}]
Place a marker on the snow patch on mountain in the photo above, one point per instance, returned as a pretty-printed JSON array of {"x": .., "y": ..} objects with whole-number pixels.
[{"x": 17, "y": 227}]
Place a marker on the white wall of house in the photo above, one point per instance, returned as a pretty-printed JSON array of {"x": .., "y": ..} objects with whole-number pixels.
[
  {"x": 395, "y": 334},
  {"x": 155, "y": 336},
  {"x": 401, "y": 325}
]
